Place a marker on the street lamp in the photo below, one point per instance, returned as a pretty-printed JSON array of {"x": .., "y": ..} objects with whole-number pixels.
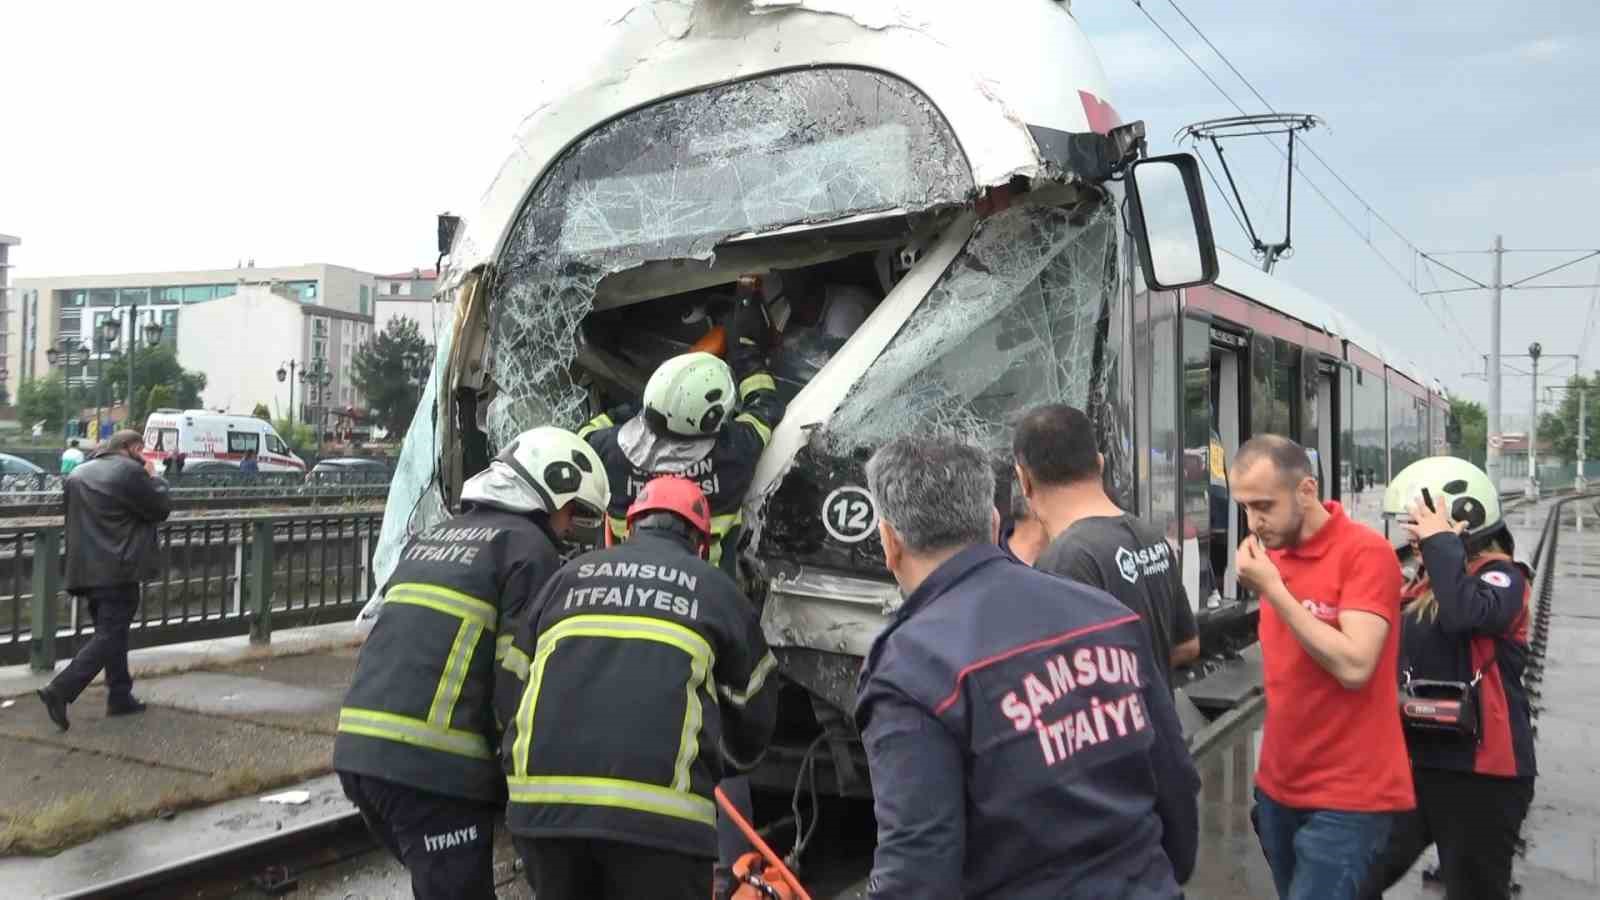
[
  {"x": 112, "y": 328},
  {"x": 1534, "y": 350},
  {"x": 315, "y": 377},
  {"x": 287, "y": 375},
  {"x": 68, "y": 352}
]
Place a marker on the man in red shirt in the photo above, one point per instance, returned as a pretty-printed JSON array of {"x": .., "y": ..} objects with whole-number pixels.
[{"x": 1333, "y": 765}]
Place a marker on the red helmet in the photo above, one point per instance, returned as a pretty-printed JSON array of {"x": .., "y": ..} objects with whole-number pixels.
[{"x": 678, "y": 495}]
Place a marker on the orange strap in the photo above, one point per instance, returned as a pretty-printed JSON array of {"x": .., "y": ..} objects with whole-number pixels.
[{"x": 775, "y": 865}]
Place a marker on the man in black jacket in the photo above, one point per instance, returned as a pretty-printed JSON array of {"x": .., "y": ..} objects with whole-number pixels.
[
  {"x": 417, "y": 734},
  {"x": 646, "y": 677},
  {"x": 1021, "y": 741},
  {"x": 114, "y": 503}
]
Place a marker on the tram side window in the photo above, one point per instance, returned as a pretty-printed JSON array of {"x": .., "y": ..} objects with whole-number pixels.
[
  {"x": 1275, "y": 385},
  {"x": 1200, "y": 452},
  {"x": 1405, "y": 429},
  {"x": 1371, "y": 449}
]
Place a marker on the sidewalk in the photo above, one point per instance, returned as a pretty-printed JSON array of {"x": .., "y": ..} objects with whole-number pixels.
[{"x": 240, "y": 720}]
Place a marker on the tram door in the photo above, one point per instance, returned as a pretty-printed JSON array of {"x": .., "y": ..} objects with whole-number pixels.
[{"x": 1230, "y": 357}]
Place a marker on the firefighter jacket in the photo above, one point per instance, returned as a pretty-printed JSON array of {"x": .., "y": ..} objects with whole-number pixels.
[
  {"x": 1021, "y": 743},
  {"x": 723, "y": 467},
  {"x": 420, "y": 710},
  {"x": 1480, "y": 632},
  {"x": 646, "y": 673}
]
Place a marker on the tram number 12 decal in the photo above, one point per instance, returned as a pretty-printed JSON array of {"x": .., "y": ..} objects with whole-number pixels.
[{"x": 849, "y": 515}]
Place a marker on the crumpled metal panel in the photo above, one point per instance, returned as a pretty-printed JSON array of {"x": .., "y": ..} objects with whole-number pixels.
[{"x": 673, "y": 180}]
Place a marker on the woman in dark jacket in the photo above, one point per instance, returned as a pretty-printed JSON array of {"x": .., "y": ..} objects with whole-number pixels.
[{"x": 1465, "y": 619}]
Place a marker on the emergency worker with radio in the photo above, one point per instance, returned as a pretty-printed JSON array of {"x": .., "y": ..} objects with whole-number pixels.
[
  {"x": 646, "y": 679},
  {"x": 417, "y": 742},
  {"x": 1463, "y": 649},
  {"x": 704, "y": 419}
]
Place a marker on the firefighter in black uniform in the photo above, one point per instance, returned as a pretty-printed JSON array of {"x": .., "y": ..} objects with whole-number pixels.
[
  {"x": 690, "y": 426},
  {"x": 417, "y": 737},
  {"x": 647, "y": 677}
]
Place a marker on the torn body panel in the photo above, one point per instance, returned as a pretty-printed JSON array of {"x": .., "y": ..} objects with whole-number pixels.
[
  {"x": 979, "y": 68},
  {"x": 861, "y": 148}
]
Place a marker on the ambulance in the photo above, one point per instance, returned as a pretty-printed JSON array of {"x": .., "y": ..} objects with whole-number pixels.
[{"x": 201, "y": 434}]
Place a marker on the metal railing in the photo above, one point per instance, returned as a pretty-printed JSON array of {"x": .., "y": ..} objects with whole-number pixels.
[{"x": 219, "y": 577}]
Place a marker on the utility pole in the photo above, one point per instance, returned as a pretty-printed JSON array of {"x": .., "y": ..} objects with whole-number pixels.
[
  {"x": 1583, "y": 430},
  {"x": 1534, "y": 349},
  {"x": 1492, "y": 452}
]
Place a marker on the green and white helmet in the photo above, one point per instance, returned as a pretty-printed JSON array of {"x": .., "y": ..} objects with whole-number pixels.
[
  {"x": 543, "y": 469},
  {"x": 1454, "y": 485},
  {"x": 690, "y": 396}
]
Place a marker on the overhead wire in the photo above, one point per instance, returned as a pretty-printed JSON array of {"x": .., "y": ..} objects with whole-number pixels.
[
  {"x": 1588, "y": 324},
  {"x": 1363, "y": 236}
]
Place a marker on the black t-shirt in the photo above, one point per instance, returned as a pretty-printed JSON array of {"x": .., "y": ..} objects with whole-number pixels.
[{"x": 1132, "y": 561}]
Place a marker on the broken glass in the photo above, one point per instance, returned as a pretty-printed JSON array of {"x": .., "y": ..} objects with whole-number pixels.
[
  {"x": 1013, "y": 324},
  {"x": 1024, "y": 316},
  {"x": 414, "y": 503},
  {"x": 673, "y": 180}
]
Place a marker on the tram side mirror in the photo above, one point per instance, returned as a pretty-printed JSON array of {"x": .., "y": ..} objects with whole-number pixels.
[
  {"x": 1452, "y": 431},
  {"x": 1168, "y": 206}
]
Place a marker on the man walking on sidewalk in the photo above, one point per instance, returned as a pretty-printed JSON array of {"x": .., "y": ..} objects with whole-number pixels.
[{"x": 114, "y": 503}]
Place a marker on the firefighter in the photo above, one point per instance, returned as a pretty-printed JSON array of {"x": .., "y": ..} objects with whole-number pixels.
[
  {"x": 1464, "y": 626},
  {"x": 702, "y": 419},
  {"x": 646, "y": 676},
  {"x": 417, "y": 736}
]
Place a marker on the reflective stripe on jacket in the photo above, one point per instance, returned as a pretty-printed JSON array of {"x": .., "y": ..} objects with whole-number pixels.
[
  {"x": 646, "y": 670},
  {"x": 420, "y": 710},
  {"x": 724, "y": 476}
]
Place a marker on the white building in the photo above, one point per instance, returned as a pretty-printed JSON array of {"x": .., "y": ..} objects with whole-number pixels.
[
  {"x": 242, "y": 341},
  {"x": 410, "y": 294},
  {"x": 73, "y": 306}
]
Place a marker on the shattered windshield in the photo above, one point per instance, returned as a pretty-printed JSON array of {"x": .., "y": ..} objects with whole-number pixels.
[
  {"x": 673, "y": 180},
  {"x": 1025, "y": 315},
  {"x": 1014, "y": 323}
]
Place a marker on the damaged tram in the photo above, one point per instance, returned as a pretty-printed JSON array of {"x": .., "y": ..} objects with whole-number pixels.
[{"x": 951, "y": 224}]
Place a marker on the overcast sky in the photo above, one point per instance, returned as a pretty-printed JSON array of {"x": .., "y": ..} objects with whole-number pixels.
[{"x": 186, "y": 135}]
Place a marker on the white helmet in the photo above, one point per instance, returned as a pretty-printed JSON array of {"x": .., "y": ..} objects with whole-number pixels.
[
  {"x": 543, "y": 469},
  {"x": 1454, "y": 485},
  {"x": 690, "y": 396}
]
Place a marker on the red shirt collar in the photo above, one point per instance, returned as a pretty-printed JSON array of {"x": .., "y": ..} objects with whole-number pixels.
[{"x": 1318, "y": 545}]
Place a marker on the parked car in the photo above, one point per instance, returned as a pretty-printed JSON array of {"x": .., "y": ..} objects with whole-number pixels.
[
  {"x": 349, "y": 470},
  {"x": 18, "y": 474},
  {"x": 16, "y": 465}
]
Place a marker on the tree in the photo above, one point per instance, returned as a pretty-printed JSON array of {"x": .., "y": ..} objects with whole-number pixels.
[
  {"x": 300, "y": 437},
  {"x": 387, "y": 371},
  {"x": 158, "y": 397},
  {"x": 1560, "y": 428},
  {"x": 153, "y": 366},
  {"x": 261, "y": 412},
  {"x": 42, "y": 398},
  {"x": 1474, "y": 424}
]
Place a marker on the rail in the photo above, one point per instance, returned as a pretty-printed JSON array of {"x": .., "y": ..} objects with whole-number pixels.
[{"x": 226, "y": 576}]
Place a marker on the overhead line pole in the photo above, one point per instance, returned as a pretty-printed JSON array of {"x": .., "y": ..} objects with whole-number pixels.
[{"x": 1492, "y": 460}]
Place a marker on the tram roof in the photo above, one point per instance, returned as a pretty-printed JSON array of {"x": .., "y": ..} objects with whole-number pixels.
[{"x": 1245, "y": 278}]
